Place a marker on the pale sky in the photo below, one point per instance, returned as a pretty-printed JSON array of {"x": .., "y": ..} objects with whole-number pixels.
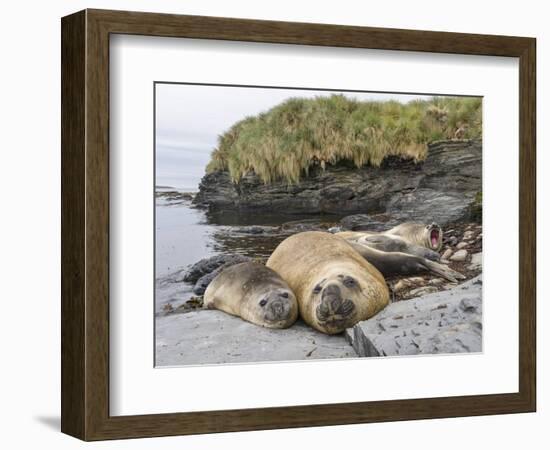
[{"x": 189, "y": 119}]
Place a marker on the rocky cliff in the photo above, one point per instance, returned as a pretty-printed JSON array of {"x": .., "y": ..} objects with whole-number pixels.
[{"x": 442, "y": 188}]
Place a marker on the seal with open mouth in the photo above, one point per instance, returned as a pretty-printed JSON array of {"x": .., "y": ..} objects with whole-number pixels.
[
  {"x": 406, "y": 249},
  {"x": 255, "y": 293},
  {"x": 429, "y": 236},
  {"x": 334, "y": 285}
]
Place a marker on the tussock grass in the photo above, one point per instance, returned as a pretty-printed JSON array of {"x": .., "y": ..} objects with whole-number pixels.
[{"x": 286, "y": 141}]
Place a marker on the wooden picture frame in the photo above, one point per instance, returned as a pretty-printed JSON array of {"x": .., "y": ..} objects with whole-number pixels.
[{"x": 85, "y": 224}]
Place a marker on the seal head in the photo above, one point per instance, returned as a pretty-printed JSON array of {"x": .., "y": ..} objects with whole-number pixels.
[
  {"x": 332, "y": 301},
  {"x": 429, "y": 236},
  {"x": 274, "y": 307},
  {"x": 255, "y": 293}
]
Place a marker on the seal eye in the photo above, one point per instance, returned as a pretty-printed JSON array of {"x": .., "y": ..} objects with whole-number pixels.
[
  {"x": 349, "y": 282},
  {"x": 263, "y": 302},
  {"x": 317, "y": 289},
  {"x": 284, "y": 295}
]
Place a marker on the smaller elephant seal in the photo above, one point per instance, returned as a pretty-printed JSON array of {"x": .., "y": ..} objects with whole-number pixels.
[
  {"x": 406, "y": 249},
  {"x": 409, "y": 237},
  {"x": 254, "y": 293},
  {"x": 335, "y": 286}
]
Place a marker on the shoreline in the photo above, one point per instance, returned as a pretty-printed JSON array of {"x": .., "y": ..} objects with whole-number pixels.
[{"x": 174, "y": 295}]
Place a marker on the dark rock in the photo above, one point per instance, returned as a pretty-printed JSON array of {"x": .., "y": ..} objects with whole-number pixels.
[
  {"x": 476, "y": 208},
  {"x": 443, "y": 322},
  {"x": 452, "y": 240},
  {"x": 441, "y": 189},
  {"x": 175, "y": 196},
  {"x": 254, "y": 229},
  {"x": 203, "y": 282},
  {"x": 470, "y": 305},
  {"x": 208, "y": 265}
]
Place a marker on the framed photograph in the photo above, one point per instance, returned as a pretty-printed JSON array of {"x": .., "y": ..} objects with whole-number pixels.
[{"x": 273, "y": 225}]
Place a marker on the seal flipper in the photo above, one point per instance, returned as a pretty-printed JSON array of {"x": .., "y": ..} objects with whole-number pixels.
[
  {"x": 397, "y": 263},
  {"x": 443, "y": 270},
  {"x": 397, "y": 244}
]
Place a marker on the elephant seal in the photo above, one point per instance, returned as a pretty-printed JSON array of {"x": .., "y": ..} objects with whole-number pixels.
[
  {"x": 335, "y": 287},
  {"x": 403, "y": 250},
  {"x": 255, "y": 293},
  {"x": 404, "y": 237}
]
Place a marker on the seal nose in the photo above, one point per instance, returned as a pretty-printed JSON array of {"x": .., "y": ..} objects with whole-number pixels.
[
  {"x": 331, "y": 298},
  {"x": 279, "y": 309},
  {"x": 332, "y": 290},
  {"x": 332, "y": 305}
]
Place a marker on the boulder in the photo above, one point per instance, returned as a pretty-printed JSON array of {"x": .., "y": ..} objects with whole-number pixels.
[
  {"x": 469, "y": 234},
  {"x": 208, "y": 265},
  {"x": 423, "y": 291},
  {"x": 443, "y": 322},
  {"x": 203, "y": 282},
  {"x": 460, "y": 255},
  {"x": 254, "y": 229},
  {"x": 203, "y": 272}
]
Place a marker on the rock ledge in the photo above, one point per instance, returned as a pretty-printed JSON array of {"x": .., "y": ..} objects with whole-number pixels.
[{"x": 444, "y": 322}]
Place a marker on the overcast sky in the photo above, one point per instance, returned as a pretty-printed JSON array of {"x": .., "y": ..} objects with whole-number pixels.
[{"x": 189, "y": 119}]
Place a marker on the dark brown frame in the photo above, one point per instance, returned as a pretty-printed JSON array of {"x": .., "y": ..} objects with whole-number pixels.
[{"x": 85, "y": 224}]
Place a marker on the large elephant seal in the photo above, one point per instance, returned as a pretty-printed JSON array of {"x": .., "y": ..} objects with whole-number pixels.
[
  {"x": 255, "y": 293},
  {"x": 335, "y": 287}
]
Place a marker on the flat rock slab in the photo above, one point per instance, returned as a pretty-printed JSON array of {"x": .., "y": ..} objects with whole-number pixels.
[
  {"x": 444, "y": 322},
  {"x": 214, "y": 337}
]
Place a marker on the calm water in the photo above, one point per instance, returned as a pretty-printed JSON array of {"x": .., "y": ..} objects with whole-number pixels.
[{"x": 184, "y": 235}]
